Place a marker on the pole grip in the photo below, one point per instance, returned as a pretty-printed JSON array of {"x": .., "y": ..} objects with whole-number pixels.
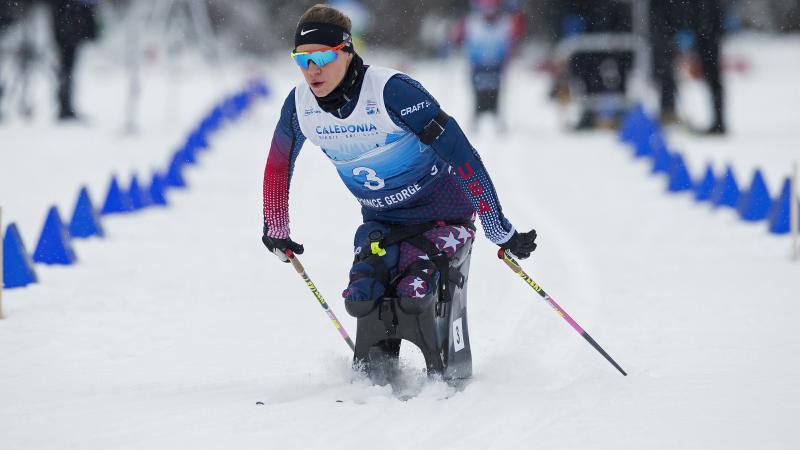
[
  {"x": 510, "y": 262},
  {"x": 295, "y": 262}
]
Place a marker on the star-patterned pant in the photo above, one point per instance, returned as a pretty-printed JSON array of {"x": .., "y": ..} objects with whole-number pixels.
[{"x": 447, "y": 238}]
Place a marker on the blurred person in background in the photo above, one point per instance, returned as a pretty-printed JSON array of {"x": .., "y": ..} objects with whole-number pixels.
[
  {"x": 704, "y": 19},
  {"x": 490, "y": 35},
  {"x": 407, "y": 162},
  {"x": 6, "y": 14},
  {"x": 6, "y": 19},
  {"x": 600, "y": 77},
  {"x": 9, "y": 12},
  {"x": 73, "y": 24}
]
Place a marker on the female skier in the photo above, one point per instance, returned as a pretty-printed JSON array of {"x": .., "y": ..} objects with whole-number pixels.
[{"x": 405, "y": 160}]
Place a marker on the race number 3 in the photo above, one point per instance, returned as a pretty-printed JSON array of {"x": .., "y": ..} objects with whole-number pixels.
[
  {"x": 373, "y": 181},
  {"x": 458, "y": 335}
]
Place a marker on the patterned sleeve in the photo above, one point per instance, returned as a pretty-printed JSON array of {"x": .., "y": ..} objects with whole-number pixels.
[
  {"x": 286, "y": 143},
  {"x": 412, "y": 108}
]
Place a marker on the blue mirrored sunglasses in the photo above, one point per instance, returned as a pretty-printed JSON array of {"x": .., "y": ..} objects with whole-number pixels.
[{"x": 318, "y": 57}]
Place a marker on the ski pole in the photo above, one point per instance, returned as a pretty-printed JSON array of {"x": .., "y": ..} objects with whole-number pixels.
[
  {"x": 302, "y": 271},
  {"x": 514, "y": 265}
]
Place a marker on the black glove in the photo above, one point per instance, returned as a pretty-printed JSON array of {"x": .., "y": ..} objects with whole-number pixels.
[
  {"x": 521, "y": 244},
  {"x": 279, "y": 247}
]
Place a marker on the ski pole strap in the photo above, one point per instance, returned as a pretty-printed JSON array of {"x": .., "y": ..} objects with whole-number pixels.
[
  {"x": 422, "y": 269},
  {"x": 439, "y": 259},
  {"x": 414, "y": 234},
  {"x": 401, "y": 232},
  {"x": 514, "y": 265}
]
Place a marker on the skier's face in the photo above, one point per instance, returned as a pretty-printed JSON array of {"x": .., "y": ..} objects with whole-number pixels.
[{"x": 323, "y": 80}]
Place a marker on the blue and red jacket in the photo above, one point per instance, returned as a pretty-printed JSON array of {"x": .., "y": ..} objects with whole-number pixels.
[{"x": 399, "y": 179}]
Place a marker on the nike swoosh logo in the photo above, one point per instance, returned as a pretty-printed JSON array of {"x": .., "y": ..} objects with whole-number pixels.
[{"x": 305, "y": 32}]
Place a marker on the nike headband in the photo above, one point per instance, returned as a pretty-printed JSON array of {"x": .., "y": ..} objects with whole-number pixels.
[{"x": 323, "y": 34}]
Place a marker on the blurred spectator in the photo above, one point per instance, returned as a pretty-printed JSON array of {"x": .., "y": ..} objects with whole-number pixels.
[
  {"x": 704, "y": 19},
  {"x": 6, "y": 14},
  {"x": 490, "y": 34},
  {"x": 73, "y": 23},
  {"x": 6, "y": 19},
  {"x": 16, "y": 60}
]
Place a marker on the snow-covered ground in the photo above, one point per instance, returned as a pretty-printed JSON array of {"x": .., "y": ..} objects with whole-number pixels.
[{"x": 168, "y": 332}]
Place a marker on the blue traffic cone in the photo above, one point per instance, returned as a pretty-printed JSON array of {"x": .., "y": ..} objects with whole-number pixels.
[
  {"x": 644, "y": 143},
  {"x": 175, "y": 172},
  {"x": 661, "y": 155},
  {"x": 242, "y": 100},
  {"x": 679, "y": 178},
  {"x": 117, "y": 200},
  {"x": 778, "y": 215},
  {"x": 85, "y": 220},
  {"x": 140, "y": 198},
  {"x": 703, "y": 189},
  {"x": 210, "y": 124},
  {"x": 754, "y": 205},
  {"x": 54, "y": 245},
  {"x": 231, "y": 111},
  {"x": 631, "y": 122},
  {"x": 214, "y": 119},
  {"x": 188, "y": 153},
  {"x": 239, "y": 101},
  {"x": 198, "y": 140},
  {"x": 661, "y": 161},
  {"x": 17, "y": 265},
  {"x": 258, "y": 87},
  {"x": 158, "y": 190},
  {"x": 726, "y": 191},
  {"x": 205, "y": 126}
]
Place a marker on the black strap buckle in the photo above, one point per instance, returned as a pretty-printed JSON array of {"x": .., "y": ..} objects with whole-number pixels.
[{"x": 434, "y": 128}]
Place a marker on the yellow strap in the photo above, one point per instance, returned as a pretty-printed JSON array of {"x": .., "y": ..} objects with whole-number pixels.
[{"x": 377, "y": 250}]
